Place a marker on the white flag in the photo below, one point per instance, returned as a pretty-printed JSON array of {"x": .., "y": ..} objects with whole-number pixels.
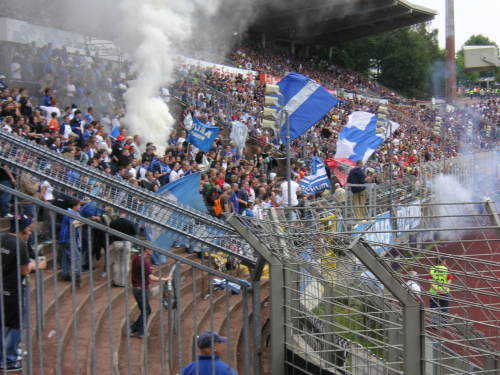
[
  {"x": 239, "y": 135},
  {"x": 188, "y": 121}
]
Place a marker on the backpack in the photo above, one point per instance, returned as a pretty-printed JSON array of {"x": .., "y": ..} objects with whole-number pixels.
[
  {"x": 211, "y": 194},
  {"x": 218, "y": 207}
]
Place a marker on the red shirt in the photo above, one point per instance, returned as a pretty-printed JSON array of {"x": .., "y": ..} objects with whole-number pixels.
[{"x": 137, "y": 271}]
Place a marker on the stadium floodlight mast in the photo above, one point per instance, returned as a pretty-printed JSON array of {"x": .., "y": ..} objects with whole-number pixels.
[
  {"x": 437, "y": 130},
  {"x": 384, "y": 127},
  {"x": 274, "y": 114}
]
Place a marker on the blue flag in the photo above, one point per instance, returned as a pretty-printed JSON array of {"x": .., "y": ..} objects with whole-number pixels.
[
  {"x": 360, "y": 137},
  {"x": 115, "y": 132},
  {"x": 318, "y": 180},
  {"x": 202, "y": 135},
  {"x": 184, "y": 191},
  {"x": 306, "y": 102}
]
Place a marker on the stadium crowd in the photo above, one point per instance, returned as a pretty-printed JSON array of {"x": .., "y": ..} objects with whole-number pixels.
[
  {"x": 65, "y": 120},
  {"x": 80, "y": 104}
]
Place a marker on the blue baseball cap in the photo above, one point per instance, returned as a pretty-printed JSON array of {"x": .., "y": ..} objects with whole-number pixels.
[
  {"x": 23, "y": 222},
  {"x": 206, "y": 338}
]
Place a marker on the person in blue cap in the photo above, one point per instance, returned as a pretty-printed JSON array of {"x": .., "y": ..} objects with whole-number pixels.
[{"x": 210, "y": 345}]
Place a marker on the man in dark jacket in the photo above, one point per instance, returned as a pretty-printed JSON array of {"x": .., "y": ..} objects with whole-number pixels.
[
  {"x": 119, "y": 250},
  {"x": 357, "y": 177},
  {"x": 16, "y": 264}
]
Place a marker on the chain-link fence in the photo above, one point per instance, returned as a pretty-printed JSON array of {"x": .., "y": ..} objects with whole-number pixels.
[{"x": 410, "y": 291}]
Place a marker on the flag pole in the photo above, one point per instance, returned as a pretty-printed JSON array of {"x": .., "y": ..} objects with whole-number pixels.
[{"x": 288, "y": 160}]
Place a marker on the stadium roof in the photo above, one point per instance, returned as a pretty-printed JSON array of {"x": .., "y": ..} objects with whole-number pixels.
[
  {"x": 327, "y": 22},
  {"x": 321, "y": 22}
]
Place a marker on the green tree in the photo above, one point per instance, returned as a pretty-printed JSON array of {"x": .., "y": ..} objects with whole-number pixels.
[
  {"x": 469, "y": 78},
  {"x": 406, "y": 58}
]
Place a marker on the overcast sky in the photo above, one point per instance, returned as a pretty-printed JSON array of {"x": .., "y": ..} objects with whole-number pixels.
[{"x": 471, "y": 17}]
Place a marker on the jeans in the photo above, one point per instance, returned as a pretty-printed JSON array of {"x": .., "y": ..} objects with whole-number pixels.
[
  {"x": 12, "y": 338},
  {"x": 85, "y": 247},
  {"x": 119, "y": 259},
  {"x": 439, "y": 303},
  {"x": 142, "y": 321},
  {"x": 66, "y": 260},
  {"x": 28, "y": 210},
  {"x": 5, "y": 198}
]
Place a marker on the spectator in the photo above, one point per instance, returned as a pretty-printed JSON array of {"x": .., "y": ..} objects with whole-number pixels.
[
  {"x": 70, "y": 260},
  {"x": 339, "y": 193},
  {"x": 295, "y": 189},
  {"x": 92, "y": 212},
  {"x": 3, "y": 85},
  {"x": 412, "y": 283},
  {"x": 176, "y": 172},
  {"x": 142, "y": 275},
  {"x": 211, "y": 348},
  {"x": 21, "y": 229},
  {"x": 357, "y": 177},
  {"x": 440, "y": 291},
  {"x": 119, "y": 251},
  {"x": 6, "y": 179}
]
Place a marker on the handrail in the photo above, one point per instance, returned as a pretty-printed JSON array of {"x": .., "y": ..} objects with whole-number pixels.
[{"x": 158, "y": 213}]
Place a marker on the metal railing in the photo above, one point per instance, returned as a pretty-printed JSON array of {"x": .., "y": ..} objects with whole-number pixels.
[
  {"x": 81, "y": 322},
  {"x": 75, "y": 179},
  {"x": 379, "y": 198}
]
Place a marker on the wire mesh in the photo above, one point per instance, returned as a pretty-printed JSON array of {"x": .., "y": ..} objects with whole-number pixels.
[{"x": 341, "y": 318}]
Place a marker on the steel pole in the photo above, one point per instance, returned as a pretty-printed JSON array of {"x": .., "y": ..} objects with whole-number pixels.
[
  {"x": 451, "y": 70},
  {"x": 288, "y": 160}
]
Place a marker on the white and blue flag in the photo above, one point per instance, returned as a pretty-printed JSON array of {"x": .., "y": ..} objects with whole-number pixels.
[
  {"x": 202, "y": 135},
  {"x": 306, "y": 102},
  {"x": 318, "y": 180},
  {"x": 359, "y": 138},
  {"x": 239, "y": 135},
  {"x": 115, "y": 132}
]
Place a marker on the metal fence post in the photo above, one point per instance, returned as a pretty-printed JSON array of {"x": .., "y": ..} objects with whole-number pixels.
[
  {"x": 276, "y": 293},
  {"x": 257, "y": 352},
  {"x": 412, "y": 327}
]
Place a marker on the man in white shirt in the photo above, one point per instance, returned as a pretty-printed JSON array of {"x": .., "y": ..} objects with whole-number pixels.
[
  {"x": 339, "y": 193},
  {"x": 412, "y": 284},
  {"x": 176, "y": 173},
  {"x": 15, "y": 69},
  {"x": 295, "y": 189}
]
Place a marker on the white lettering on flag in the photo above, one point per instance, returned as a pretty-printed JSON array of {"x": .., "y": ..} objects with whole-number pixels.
[{"x": 300, "y": 98}]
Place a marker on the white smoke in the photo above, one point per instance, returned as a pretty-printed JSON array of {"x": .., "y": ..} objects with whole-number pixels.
[
  {"x": 450, "y": 196},
  {"x": 153, "y": 31}
]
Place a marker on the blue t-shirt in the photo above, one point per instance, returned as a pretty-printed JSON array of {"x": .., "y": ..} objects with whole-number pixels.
[
  {"x": 65, "y": 231},
  {"x": 205, "y": 367},
  {"x": 236, "y": 204},
  {"x": 89, "y": 210}
]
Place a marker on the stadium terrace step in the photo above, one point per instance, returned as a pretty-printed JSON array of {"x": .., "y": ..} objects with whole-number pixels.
[
  {"x": 160, "y": 214},
  {"x": 59, "y": 317},
  {"x": 265, "y": 340},
  {"x": 237, "y": 331},
  {"x": 265, "y": 312},
  {"x": 131, "y": 351}
]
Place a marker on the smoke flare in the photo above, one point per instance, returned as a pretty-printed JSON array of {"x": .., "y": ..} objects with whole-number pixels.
[{"x": 153, "y": 30}]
